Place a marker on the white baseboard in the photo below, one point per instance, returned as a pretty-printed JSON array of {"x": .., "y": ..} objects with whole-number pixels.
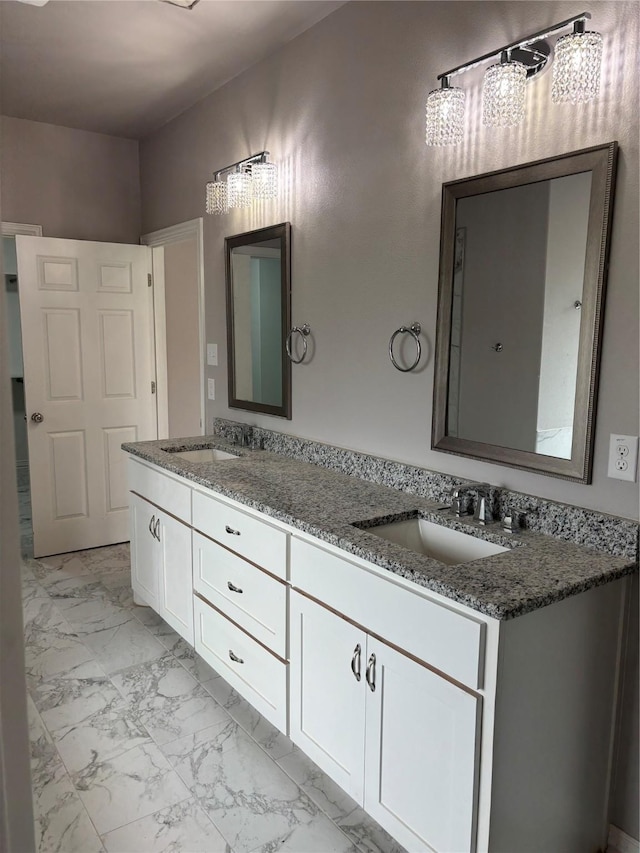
[{"x": 620, "y": 842}]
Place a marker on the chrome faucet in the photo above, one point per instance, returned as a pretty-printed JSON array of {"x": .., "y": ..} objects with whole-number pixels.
[
  {"x": 461, "y": 497},
  {"x": 246, "y": 435}
]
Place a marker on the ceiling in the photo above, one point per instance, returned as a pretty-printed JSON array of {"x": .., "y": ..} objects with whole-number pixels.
[{"x": 126, "y": 67}]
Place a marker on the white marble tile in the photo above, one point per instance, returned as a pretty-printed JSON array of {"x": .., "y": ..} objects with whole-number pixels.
[
  {"x": 62, "y": 824},
  {"x": 52, "y": 649},
  {"x": 88, "y": 719},
  {"x": 320, "y": 835},
  {"x": 50, "y": 570},
  {"x": 367, "y": 835},
  {"x": 126, "y": 788},
  {"x": 168, "y": 700},
  {"x": 248, "y": 797},
  {"x": 314, "y": 782},
  {"x": 123, "y": 646},
  {"x": 262, "y": 731},
  {"x": 183, "y": 828}
]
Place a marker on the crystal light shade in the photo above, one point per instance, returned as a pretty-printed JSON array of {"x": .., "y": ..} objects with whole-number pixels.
[
  {"x": 240, "y": 189},
  {"x": 265, "y": 180},
  {"x": 503, "y": 94},
  {"x": 576, "y": 69},
  {"x": 217, "y": 200},
  {"x": 445, "y": 116}
]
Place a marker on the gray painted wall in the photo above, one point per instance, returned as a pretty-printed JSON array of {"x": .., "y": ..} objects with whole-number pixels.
[
  {"x": 76, "y": 184},
  {"x": 341, "y": 109}
]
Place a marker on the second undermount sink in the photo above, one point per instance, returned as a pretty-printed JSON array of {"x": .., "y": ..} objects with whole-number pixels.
[
  {"x": 203, "y": 454},
  {"x": 433, "y": 540}
]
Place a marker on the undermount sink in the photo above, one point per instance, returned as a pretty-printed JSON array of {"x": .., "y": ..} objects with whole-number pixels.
[
  {"x": 442, "y": 543},
  {"x": 204, "y": 454}
]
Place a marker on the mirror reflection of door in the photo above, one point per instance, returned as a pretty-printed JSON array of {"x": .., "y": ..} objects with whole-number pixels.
[
  {"x": 516, "y": 314},
  {"x": 257, "y": 318}
]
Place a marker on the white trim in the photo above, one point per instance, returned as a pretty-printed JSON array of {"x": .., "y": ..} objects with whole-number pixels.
[
  {"x": 174, "y": 234},
  {"x": 12, "y": 229},
  {"x": 620, "y": 842},
  {"x": 160, "y": 340}
]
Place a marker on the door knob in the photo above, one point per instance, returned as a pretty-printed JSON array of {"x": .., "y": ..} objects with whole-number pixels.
[{"x": 37, "y": 418}]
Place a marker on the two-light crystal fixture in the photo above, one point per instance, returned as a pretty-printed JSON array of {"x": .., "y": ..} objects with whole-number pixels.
[
  {"x": 576, "y": 79},
  {"x": 248, "y": 180}
]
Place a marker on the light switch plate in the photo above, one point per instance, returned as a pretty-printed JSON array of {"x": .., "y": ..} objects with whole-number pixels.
[
  {"x": 212, "y": 355},
  {"x": 211, "y": 389},
  {"x": 623, "y": 457}
]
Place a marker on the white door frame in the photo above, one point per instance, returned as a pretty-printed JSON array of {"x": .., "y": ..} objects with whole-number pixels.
[
  {"x": 12, "y": 229},
  {"x": 156, "y": 239}
]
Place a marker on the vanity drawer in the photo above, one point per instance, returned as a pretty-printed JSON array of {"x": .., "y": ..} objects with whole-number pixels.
[
  {"x": 247, "y": 595},
  {"x": 441, "y": 637},
  {"x": 161, "y": 489},
  {"x": 255, "y": 673},
  {"x": 248, "y": 536}
]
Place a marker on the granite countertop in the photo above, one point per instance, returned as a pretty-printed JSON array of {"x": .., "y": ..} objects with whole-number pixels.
[{"x": 536, "y": 570}]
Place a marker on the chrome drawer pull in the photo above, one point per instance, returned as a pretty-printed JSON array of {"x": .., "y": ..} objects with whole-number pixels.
[
  {"x": 231, "y": 530},
  {"x": 151, "y": 523},
  {"x": 235, "y": 657},
  {"x": 156, "y": 530},
  {"x": 233, "y": 588},
  {"x": 355, "y": 662},
  {"x": 371, "y": 673}
]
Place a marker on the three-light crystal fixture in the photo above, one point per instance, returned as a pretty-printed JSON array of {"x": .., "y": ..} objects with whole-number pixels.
[
  {"x": 248, "y": 180},
  {"x": 576, "y": 79}
]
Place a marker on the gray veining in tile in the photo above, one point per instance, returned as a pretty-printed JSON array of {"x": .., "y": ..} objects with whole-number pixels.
[
  {"x": 123, "y": 646},
  {"x": 168, "y": 700},
  {"x": 181, "y": 828}
]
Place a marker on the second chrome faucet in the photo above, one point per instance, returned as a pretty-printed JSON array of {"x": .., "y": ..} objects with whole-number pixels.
[{"x": 462, "y": 499}]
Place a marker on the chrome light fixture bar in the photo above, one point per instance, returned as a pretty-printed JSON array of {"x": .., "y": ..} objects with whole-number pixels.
[
  {"x": 248, "y": 180},
  {"x": 576, "y": 79}
]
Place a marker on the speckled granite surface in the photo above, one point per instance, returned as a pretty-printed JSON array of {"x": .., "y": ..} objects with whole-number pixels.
[
  {"x": 536, "y": 570},
  {"x": 616, "y": 536}
]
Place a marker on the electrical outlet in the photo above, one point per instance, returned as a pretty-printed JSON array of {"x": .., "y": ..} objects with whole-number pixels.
[
  {"x": 623, "y": 457},
  {"x": 212, "y": 355},
  {"x": 211, "y": 389}
]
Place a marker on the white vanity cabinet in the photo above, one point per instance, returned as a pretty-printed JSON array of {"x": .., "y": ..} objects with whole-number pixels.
[
  {"x": 161, "y": 546},
  {"x": 401, "y": 739},
  {"x": 239, "y": 578}
]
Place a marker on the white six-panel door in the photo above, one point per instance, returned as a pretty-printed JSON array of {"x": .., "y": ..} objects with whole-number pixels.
[{"x": 86, "y": 315}]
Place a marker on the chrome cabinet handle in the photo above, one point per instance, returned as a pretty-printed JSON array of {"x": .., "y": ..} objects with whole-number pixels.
[
  {"x": 234, "y": 657},
  {"x": 233, "y": 588},
  {"x": 156, "y": 530},
  {"x": 231, "y": 530},
  {"x": 151, "y": 523},
  {"x": 37, "y": 418},
  {"x": 355, "y": 662},
  {"x": 371, "y": 673}
]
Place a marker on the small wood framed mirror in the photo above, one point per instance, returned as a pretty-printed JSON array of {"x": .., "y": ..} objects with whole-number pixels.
[{"x": 258, "y": 284}]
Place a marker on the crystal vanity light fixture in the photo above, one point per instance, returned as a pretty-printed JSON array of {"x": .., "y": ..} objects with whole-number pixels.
[
  {"x": 249, "y": 180},
  {"x": 503, "y": 93},
  {"x": 576, "y": 79},
  {"x": 445, "y": 115}
]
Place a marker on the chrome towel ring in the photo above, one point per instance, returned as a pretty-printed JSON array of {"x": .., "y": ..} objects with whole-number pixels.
[
  {"x": 413, "y": 330},
  {"x": 304, "y": 331}
]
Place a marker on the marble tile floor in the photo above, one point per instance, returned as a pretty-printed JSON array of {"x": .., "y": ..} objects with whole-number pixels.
[{"x": 137, "y": 745}]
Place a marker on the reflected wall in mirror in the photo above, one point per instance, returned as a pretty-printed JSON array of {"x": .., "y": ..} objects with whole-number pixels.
[
  {"x": 523, "y": 258},
  {"x": 258, "y": 280}
]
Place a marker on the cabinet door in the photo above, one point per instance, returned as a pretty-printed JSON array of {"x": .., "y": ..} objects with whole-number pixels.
[
  {"x": 421, "y": 754},
  {"x": 176, "y": 581},
  {"x": 144, "y": 555},
  {"x": 327, "y": 700}
]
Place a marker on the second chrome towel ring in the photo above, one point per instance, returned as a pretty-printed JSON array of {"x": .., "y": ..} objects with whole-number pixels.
[
  {"x": 413, "y": 330},
  {"x": 304, "y": 331}
]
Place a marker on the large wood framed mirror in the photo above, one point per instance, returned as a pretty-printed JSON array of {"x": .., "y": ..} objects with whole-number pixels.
[
  {"x": 258, "y": 282},
  {"x": 523, "y": 263}
]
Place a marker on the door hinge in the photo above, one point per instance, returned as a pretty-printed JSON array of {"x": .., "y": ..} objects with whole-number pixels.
[
  {"x": 149, "y": 280},
  {"x": 153, "y": 387}
]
